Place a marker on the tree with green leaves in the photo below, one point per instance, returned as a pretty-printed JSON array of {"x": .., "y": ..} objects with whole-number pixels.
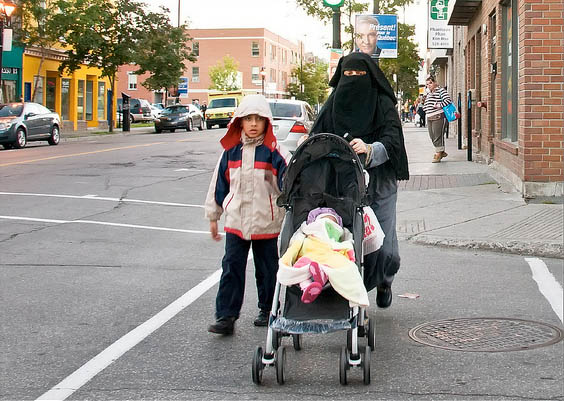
[
  {"x": 162, "y": 51},
  {"x": 313, "y": 77},
  {"x": 224, "y": 74},
  {"x": 35, "y": 30}
]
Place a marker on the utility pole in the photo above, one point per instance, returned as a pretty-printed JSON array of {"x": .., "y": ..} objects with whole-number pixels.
[
  {"x": 376, "y": 9},
  {"x": 178, "y": 13}
]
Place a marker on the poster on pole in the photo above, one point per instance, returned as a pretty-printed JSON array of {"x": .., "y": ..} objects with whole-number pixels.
[
  {"x": 334, "y": 57},
  {"x": 183, "y": 87},
  {"x": 377, "y": 35},
  {"x": 440, "y": 34}
]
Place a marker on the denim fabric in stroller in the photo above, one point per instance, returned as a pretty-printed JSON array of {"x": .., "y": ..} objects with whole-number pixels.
[{"x": 323, "y": 172}]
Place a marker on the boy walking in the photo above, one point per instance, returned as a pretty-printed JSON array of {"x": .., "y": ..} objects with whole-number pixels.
[{"x": 245, "y": 185}]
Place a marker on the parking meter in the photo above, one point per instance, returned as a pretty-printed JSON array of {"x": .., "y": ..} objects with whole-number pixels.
[{"x": 126, "y": 121}]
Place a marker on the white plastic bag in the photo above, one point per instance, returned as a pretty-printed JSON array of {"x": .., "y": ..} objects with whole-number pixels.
[{"x": 373, "y": 234}]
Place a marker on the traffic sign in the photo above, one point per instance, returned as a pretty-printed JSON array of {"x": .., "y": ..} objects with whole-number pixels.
[{"x": 333, "y": 3}]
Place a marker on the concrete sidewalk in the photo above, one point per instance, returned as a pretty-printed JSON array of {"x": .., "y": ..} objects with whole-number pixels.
[
  {"x": 456, "y": 203},
  {"x": 99, "y": 132}
]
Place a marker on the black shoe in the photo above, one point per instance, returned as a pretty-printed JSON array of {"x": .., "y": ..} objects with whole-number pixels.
[
  {"x": 262, "y": 319},
  {"x": 384, "y": 296},
  {"x": 223, "y": 325}
]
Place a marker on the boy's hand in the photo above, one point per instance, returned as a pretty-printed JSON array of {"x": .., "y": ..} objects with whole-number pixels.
[{"x": 213, "y": 230}]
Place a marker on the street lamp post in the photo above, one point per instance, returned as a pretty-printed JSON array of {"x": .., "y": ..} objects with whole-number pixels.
[
  {"x": 6, "y": 10},
  {"x": 262, "y": 74}
]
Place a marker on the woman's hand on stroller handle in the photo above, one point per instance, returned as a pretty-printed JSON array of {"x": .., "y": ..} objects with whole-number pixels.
[{"x": 359, "y": 146}]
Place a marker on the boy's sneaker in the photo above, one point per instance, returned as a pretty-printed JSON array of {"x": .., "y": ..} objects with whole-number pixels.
[
  {"x": 262, "y": 319},
  {"x": 223, "y": 325}
]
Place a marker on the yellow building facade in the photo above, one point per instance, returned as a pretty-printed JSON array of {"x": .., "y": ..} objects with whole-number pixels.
[{"x": 81, "y": 98}]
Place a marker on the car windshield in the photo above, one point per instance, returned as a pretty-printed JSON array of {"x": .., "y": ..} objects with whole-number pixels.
[
  {"x": 10, "y": 110},
  {"x": 285, "y": 110},
  {"x": 175, "y": 110},
  {"x": 217, "y": 103}
]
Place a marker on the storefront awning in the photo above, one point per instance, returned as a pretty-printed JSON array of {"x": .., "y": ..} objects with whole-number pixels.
[{"x": 460, "y": 12}]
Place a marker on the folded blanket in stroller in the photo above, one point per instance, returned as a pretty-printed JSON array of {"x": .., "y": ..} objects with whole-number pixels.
[{"x": 336, "y": 258}]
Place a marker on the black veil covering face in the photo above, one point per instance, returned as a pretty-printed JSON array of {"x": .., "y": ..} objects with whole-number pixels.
[{"x": 364, "y": 106}]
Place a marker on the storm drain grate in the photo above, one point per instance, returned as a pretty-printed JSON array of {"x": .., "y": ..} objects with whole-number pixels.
[{"x": 486, "y": 334}]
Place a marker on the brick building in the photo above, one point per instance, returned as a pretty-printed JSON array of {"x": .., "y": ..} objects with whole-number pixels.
[
  {"x": 510, "y": 55},
  {"x": 252, "y": 48}
]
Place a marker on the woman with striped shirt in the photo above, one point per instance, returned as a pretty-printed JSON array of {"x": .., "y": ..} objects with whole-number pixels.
[{"x": 436, "y": 99}]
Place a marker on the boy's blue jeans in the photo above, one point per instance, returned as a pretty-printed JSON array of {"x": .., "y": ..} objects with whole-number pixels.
[{"x": 232, "y": 284}]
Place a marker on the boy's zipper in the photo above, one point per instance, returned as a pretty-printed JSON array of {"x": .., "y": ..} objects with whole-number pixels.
[
  {"x": 271, "y": 208},
  {"x": 229, "y": 201}
]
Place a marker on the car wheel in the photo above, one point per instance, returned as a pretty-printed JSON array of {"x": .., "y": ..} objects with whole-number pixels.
[
  {"x": 208, "y": 125},
  {"x": 21, "y": 138},
  {"x": 7, "y": 146},
  {"x": 131, "y": 119},
  {"x": 55, "y": 136},
  {"x": 189, "y": 125},
  {"x": 172, "y": 130}
]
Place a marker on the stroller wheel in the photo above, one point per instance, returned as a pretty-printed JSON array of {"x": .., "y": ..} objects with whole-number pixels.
[
  {"x": 365, "y": 361},
  {"x": 280, "y": 361},
  {"x": 276, "y": 339},
  {"x": 371, "y": 334},
  {"x": 258, "y": 366},
  {"x": 343, "y": 366},
  {"x": 297, "y": 340}
]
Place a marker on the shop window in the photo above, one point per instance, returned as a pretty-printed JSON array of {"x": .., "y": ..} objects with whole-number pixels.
[
  {"x": 51, "y": 93},
  {"x": 255, "y": 50},
  {"x": 89, "y": 100},
  {"x": 101, "y": 100},
  {"x": 80, "y": 101},
  {"x": 195, "y": 74},
  {"x": 65, "y": 99},
  {"x": 509, "y": 70},
  {"x": 38, "y": 98}
]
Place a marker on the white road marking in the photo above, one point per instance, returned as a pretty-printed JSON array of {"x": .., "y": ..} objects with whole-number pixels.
[
  {"x": 105, "y": 358},
  {"x": 548, "y": 286},
  {"x": 105, "y": 223},
  {"x": 95, "y": 197}
]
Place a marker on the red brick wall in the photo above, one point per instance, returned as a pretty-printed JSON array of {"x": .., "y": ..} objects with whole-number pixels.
[{"x": 122, "y": 84}]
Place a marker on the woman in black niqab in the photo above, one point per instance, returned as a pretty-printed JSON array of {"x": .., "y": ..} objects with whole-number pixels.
[{"x": 362, "y": 105}]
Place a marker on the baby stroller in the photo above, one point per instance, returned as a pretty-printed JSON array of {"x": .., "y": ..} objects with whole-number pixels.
[{"x": 323, "y": 172}]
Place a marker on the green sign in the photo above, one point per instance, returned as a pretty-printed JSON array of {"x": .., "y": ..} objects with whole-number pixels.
[
  {"x": 439, "y": 10},
  {"x": 333, "y": 3}
]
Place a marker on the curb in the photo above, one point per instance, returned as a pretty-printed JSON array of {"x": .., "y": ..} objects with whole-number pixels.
[{"x": 514, "y": 247}]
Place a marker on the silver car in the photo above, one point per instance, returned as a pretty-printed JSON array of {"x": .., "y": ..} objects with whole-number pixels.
[{"x": 292, "y": 119}]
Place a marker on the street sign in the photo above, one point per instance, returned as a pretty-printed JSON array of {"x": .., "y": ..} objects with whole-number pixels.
[
  {"x": 440, "y": 34},
  {"x": 183, "y": 87}
]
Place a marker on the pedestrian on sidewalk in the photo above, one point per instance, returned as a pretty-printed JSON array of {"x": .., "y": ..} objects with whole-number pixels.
[
  {"x": 421, "y": 111},
  {"x": 436, "y": 99},
  {"x": 245, "y": 185},
  {"x": 362, "y": 109}
]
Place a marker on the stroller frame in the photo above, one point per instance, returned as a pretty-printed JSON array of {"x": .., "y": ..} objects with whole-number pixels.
[{"x": 357, "y": 323}]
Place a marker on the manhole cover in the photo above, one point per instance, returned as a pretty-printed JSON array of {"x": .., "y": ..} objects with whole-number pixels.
[{"x": 486, "y": 334}]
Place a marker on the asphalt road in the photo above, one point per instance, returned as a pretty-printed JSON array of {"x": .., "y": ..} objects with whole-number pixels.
[{"x": 103, "y": 252}]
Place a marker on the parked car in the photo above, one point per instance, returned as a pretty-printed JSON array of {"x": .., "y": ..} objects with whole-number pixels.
[
  {"x": 139, "y": 110},
  {"x": 185, "y": 116},
  {"x": 292, "y": 119},
  {"x": 156, "y": 112},
  {"x": 24, "y": 122}
]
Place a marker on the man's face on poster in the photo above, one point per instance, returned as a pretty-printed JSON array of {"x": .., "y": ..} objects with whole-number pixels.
[{"x": 366, "y": 37}]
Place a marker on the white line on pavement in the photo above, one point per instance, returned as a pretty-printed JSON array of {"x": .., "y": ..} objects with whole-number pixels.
[
  {"x": 105, "y": 358},
  {"x": 95, "y": 197},
  {"x": 548, "y": 285},
  {"x": 104, "y": 223}
]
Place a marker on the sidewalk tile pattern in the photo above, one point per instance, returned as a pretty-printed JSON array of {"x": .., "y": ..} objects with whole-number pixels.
[{"x": 423, "y": 182}]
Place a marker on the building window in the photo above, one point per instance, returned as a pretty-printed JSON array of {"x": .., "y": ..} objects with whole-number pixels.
[
  {"x": 38, "y": 98},
  {"x": 509, "y": 71},
  {"x": 196, "y": 48},
  {"x": 284, "y": 79},
  {"x": 272, "y": 52},
  {"x": 80, "y": 101},
  {"x": 89, "y": 99},
  {"x": 131, "y": 81},
  {"x": 255, "y": 51},
  {"x": 101, "y": 100},
  {"x": 195, "y": 74},
  {"x": 65, "y": 98},
  {"x": 255, "y": 77},
  {"x": 272, "y": 75}
]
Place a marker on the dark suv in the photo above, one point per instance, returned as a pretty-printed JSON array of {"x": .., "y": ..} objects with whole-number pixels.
[{"x": 139, "y": 110}]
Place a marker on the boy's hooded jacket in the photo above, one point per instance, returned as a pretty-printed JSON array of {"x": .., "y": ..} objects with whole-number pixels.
[{"x": 248, "y": 177}]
